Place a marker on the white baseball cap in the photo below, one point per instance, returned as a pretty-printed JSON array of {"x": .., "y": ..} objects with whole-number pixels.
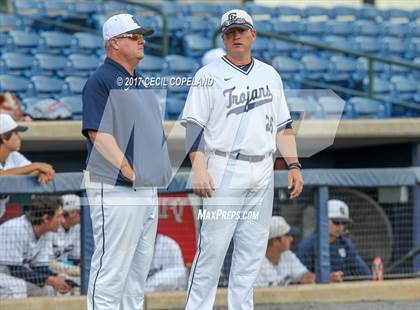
[
  {"x": 70, "y": 202},
  {"x": 123, "y": 23},
  {"x": 212, "y": 55},
  {"x": 339, "y": 211},
  {"x": 278, "y": 227},
  {"x": 236, "y": 19},
  {"x": 7, "y": 123}
]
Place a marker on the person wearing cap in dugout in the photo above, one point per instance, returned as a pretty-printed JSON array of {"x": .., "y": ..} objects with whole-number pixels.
[
  {"x": 344, "y": 257},
  {"x": 14, "y": 163},
  {"x": 127, "y": 160},
  {"x": 281, "y": 266}
]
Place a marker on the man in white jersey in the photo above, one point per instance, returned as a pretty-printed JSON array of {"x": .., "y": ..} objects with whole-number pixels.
[
  {"x": 167, "y": 271},
  {"x": 14, "y": 163},
  {"x": 66, "y": 241},
  {"x": 231, "y": 132},
  {"x": 25, "y": 250},
  {"x": 281, "y": 266}
]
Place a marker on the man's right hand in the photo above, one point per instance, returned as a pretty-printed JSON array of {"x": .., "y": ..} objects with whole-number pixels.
[
  {"x": 202, "y": 183},
  {"x": 128, "y": 172},
  {"x": 45, "y": 168},
  {"x": 59, "y": 284},
  {"x": 336, "y": 276}
]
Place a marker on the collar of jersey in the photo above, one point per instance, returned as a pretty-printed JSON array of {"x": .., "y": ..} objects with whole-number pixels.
[
  {"x": 119, "y": 67},
  {"x": 225, "y": 59}
]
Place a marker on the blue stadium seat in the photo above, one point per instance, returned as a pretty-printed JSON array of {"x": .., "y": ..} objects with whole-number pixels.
[
  {"x": 394, "y": 47},
  {"x": 29, "y": 101},
  {"x": 180, "y": 65},
  {"x": 84, "y": 9},
  {"x": 114, "y": 7},
  {"x": 303, "y": 108},
  {"x": 362, "y": 68},
  {"x": 338, "y": 42},
  {"x": 414, "y": 30},
  {"x": 54, "y": 42},
  {"x": 172, "y": 8},
  {"x": 75, "y": 103},
  {"x": 395, "y": 13},
  {"x": 22, "y": 41},
  {"x": 415, "y": 15},
  {"x": 3, "y": 40},
  {"x": 416, "y": 73},
  {"x": 196, "y": 25},
  {"x": 369, "y": 12},
  {"x": 83, "y": 65},
  {"x": 260, "y": 49},
  {"x": 174, "y": 107},
  {"x": 315, "y": 11},
  {"x": 414, "y": 48},
  {"x": 226, "y": 6},
  {"x": 395, "y": 30},
  {"x": 342, "y": 11},
  {"x": 16, "y": 64},
  {"x": 47, "y": 87},
  {"x": 151, "y": 66},
  {"x": 86, "y": 43},
  {"x": 9, "y": 22},
  {"x": 305, "y": 49},
  {"x": 280, "y": 48},
  {"x": 288, "y": 11},
  {"x": 285, "y": 27},
  {"x": 341, "y": 68},
  {"x": 262, "y": 25},
  {"x": 366, "y": 28},
  {"x": 178, "y": 91},
  {"x": 362, "y": 107},
  {"x": 339, "y": 28},
  {"x": 51, "y": 65},
  {"x": 74, "y": 85},
  {"x": 195, "y": 45},
  {"x": 28, "y": 8},
  {"x": 18, "y": 85},
  {"x": 368, "y": 45},
  {"x": 57, "y": 9},
  {"x": 152, "y": 21},
  {"x": 202, "y": 9},
  {"x": 403, "y": 88},
  {"x": 288, "y": 68},
  {"x": 255, "y": 9},
  {"x": 380, "y": 86},
  {"x": 333, "y": 107},
  {"x": 314, "y": 27},
  {"x": 97, "y": 20},
  {"x": 313, "y": 67}
]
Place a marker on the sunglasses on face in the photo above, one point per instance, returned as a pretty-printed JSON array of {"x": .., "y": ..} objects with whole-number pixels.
[
  {"x": 131, "y": 36},
  {"x": 338, "y": 222}
]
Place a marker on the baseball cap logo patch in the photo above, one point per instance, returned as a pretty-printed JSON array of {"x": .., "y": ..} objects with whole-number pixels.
[
  {"x": 135, "y": 21},
  {"x": 232, "y": 16},
  {"x": 342, "y": 211}
]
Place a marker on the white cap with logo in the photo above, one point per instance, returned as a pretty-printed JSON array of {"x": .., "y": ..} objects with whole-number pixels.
[
  {"x": 70, "y": 202},
  {"x": 123, "y": 23},
  {"x": 7, "y": 123},
  {"x": 278, "y": 227},
  {"x": 338, "y": 210},
  {"x": 236, "y": 19}
]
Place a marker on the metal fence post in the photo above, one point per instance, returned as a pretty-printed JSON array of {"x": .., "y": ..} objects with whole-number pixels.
[
  {"x": 322, "y": 242},
  {"x": 87, "y": 245}
]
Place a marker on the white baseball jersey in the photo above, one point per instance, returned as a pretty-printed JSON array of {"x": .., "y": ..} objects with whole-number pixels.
[
  {"x": 20, "y": 247},
  {"x": 167, "y": 272},
  {"x": 241, "y": 111},
  {"x": 66, "y": 243},
  {"x": 288, "y": 269},
  {"x": 15, "y": 160}
]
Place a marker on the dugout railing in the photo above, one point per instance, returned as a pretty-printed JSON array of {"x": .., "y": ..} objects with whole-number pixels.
[{"x": 395, "y": 190}]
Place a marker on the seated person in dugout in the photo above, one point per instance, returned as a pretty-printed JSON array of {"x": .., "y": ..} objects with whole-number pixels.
[
  {"x": 345, "y": 260},
  {"x": 14, "y": 163},
  {"x": 25, "y": 251},
  {"x": 66, "y": 241},
  {"x": 167, "y": 271},
  {"x": 280, "y": 266}
]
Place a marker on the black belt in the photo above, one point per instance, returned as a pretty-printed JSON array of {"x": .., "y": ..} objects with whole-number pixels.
[{"x": 239, "y": 156}]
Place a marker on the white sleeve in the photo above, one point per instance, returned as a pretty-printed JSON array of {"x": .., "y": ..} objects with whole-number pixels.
[
  {"x": 298, "y": 269},
  {"x": 75, "y": 241},
  {"x": 21, "y": 161},
  {"x": 263, "y": 278},
  {"x": 12, "y": 244},
  {"x": 283, "y": 114},
  {"x": 198, "y": 105}
]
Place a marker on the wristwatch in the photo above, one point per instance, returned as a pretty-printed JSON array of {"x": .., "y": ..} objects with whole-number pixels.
[{"x": 296, "y": 165}]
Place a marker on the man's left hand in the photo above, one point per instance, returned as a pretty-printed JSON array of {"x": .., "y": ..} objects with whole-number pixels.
[{"x": 294, "y": 182}]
